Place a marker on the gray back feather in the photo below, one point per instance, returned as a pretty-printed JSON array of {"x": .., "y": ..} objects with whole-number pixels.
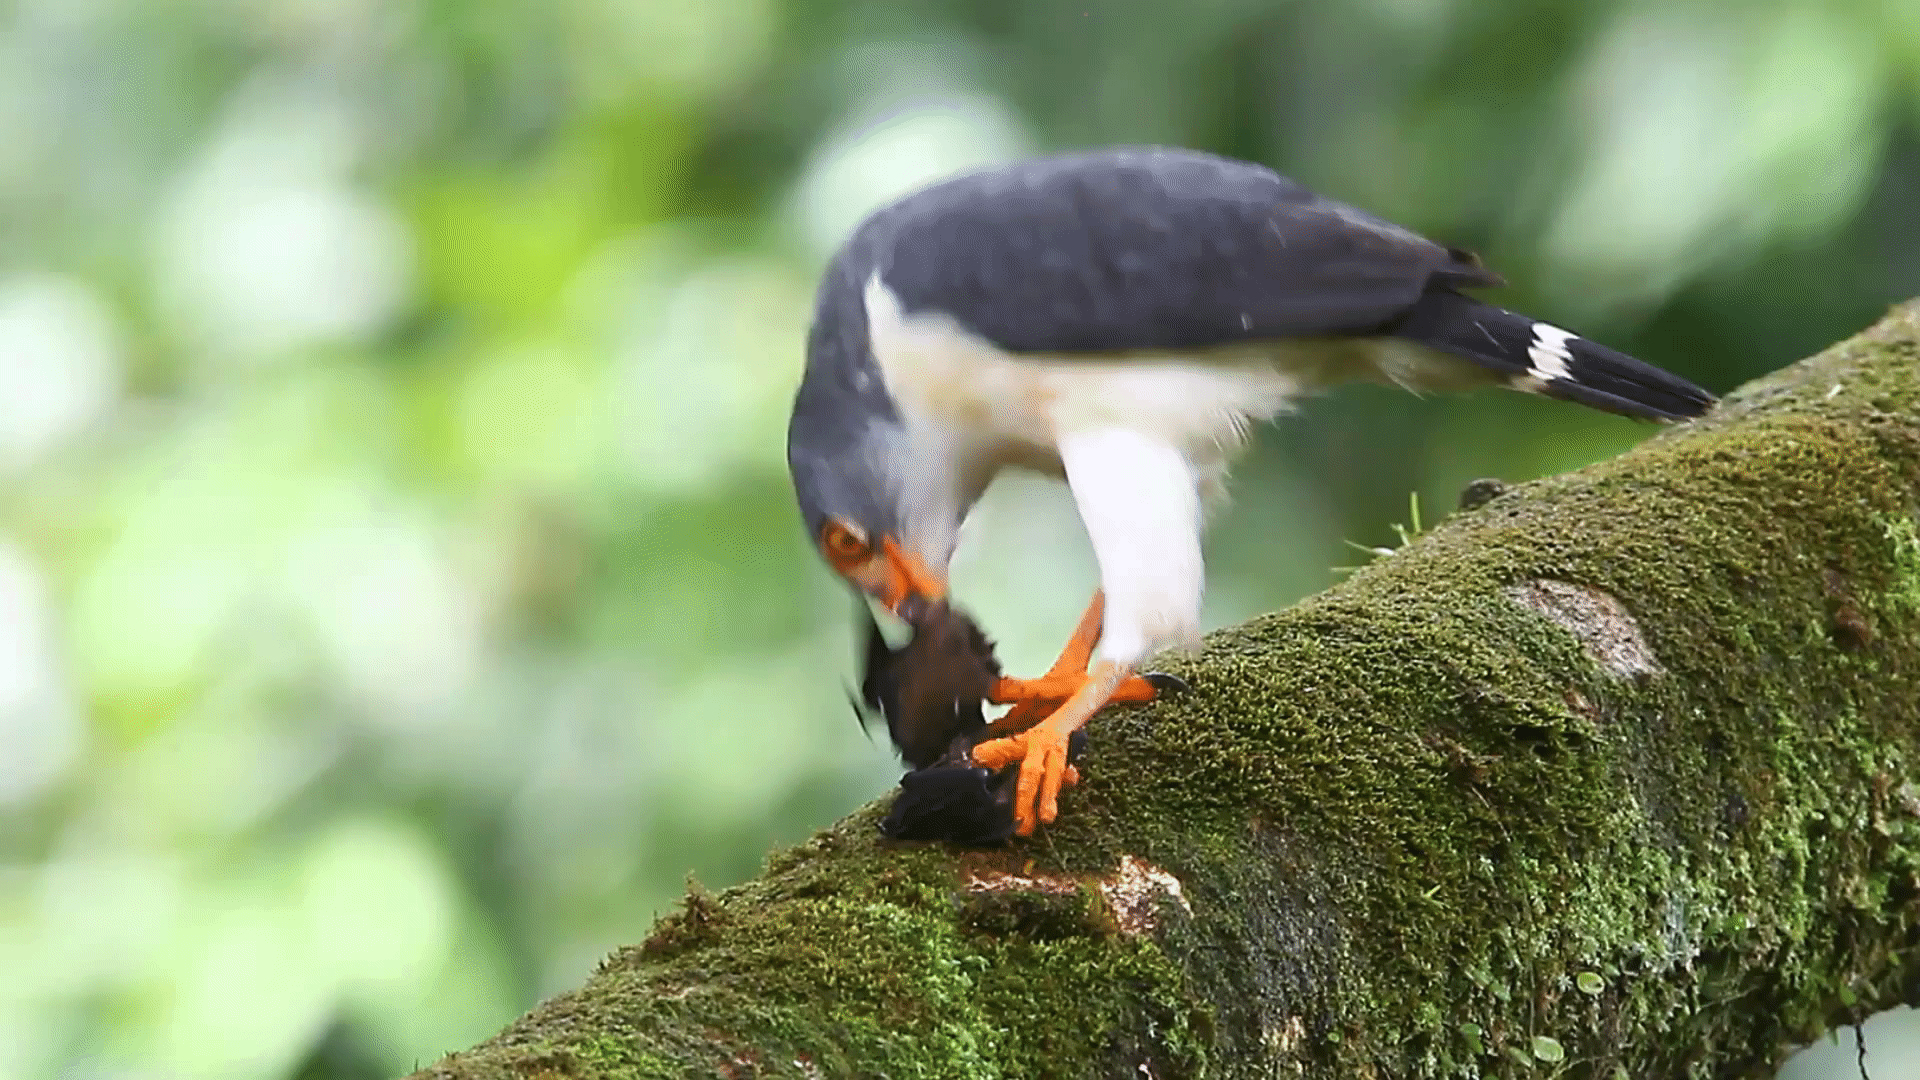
[{"x": 1143, "y": 248}]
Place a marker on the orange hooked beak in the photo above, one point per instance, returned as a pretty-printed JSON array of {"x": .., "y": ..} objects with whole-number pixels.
[{"x": 885, "y": 571}]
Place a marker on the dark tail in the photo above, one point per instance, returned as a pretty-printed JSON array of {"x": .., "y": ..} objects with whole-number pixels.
[{"x": 1541, "y": 358}]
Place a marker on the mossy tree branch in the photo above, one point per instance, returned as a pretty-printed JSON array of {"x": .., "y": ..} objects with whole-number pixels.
[{"x": 1614, "y": 774}]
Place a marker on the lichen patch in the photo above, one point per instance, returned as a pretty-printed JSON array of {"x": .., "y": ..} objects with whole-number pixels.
[
  {"x": 1134, "y": 891},
  {"x": 1131, "y": 892},
  {"x": 1603, "y": 625},
  {"x": 999, "y": 881},
  {"x": 1285, "y": 1038}
]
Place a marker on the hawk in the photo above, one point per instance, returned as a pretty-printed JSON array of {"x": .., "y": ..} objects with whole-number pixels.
[{"x": 1119, "y": 318}]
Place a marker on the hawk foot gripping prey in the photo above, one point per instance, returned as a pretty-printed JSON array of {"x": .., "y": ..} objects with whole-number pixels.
[
  {"x": 931, "y": 692},
  {"x": 1047, "y": 712},
  {"x": 1119, "y": 319},
  {"x": 958, "y": 802},
  {"x": 1033, "y": 700}
]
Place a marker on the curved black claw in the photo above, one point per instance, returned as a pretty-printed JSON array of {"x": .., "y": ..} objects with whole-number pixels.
[{"x": 1166, "y": 683}]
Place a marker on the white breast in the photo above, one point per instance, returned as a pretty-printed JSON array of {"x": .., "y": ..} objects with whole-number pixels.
[
  {"x": 1016, "y": 409},
  {"x": 1143, "y": 442}
]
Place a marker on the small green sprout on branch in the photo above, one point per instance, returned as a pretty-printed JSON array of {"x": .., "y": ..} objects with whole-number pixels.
[{"x": 1408, "y": 532}]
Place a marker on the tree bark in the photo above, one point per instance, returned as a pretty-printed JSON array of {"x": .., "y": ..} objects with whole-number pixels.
[{"x": 1612, "y": 774}]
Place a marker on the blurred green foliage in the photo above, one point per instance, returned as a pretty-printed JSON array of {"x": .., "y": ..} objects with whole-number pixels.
[{"x": 400, "y": 591}]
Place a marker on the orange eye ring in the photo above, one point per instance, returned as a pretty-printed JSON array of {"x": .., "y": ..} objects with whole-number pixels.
[{"x": 843, "y": 542}]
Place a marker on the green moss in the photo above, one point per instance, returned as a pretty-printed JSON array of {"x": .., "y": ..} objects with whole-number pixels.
[
  {"x": 1421, "y": 830},
  {"x": 1903, "y": 533}
]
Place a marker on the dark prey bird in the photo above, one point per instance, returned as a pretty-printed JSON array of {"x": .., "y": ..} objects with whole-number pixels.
[
  {"x": 1118, "y": 318},
  {"x": 930, "y": 691}
]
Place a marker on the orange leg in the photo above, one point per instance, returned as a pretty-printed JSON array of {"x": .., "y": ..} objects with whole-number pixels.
[
  {"x": 1033, "y": 699},
  {"x": 1041, "y": 750},
  {"x": 1047, "y": 711}
]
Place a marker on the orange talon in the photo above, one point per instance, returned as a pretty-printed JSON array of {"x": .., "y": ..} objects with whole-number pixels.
[
  {"x": 997, "y": 754},
  {"x": 1135, "y": 690},
  {"x": 1067, "y": 672},
  {"x": 1042, "y": 753},
  {"x": 1037, "y": 792},
  {"x": 1034, "y": 699},
  {"x": 1047, "y": 711},
  {"x": 1022, "y": 716}
]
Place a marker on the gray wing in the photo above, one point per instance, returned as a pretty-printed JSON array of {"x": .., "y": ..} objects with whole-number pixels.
[{"x": 1148, "y": 248}]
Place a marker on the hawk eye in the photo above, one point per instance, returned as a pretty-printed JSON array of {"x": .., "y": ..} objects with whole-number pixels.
[{"x": 844, "y": 541}]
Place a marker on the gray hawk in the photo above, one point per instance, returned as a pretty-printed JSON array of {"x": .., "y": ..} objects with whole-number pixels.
[{"x": 1118, "y": 318}]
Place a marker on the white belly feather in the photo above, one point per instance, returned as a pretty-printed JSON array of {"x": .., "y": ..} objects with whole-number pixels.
[
  {"x": 1143, "y": 442},
  {"x": 1017, "y": 408}
]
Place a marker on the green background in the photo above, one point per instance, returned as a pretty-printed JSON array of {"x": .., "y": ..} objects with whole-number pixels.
[{"x": 400, "y": 587}]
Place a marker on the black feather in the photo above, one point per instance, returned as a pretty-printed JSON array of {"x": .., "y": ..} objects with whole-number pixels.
[
  {"x": 956, "y": 802},
  {"x": 933, "y": 689},
  {"x": 1504, "y": 341}
]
